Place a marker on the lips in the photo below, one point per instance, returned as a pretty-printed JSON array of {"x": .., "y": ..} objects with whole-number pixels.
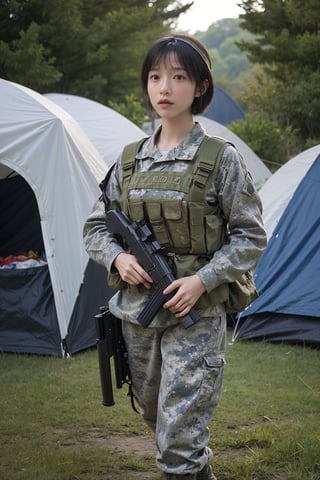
[{"x": 164, "y": 102}]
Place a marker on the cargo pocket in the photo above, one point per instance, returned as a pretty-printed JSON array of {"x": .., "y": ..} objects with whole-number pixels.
[{"x": 210, "y": 390}]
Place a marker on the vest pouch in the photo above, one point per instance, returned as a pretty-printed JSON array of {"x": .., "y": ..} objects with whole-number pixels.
[
  {"x": 175, "y": 213},
  {"x": 242, "y": 292},
  {"x": 135, "y": 209},
  {"x": 157, "y": 223},
  {"x": 197, "y": 235}
]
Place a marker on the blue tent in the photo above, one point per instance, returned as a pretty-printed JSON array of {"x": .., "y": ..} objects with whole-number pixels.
[
  {"x": 287, "y": 275},
  {"x": 224, "y": 109}
]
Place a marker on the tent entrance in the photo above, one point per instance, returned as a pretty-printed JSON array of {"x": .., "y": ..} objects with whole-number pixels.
[
  {"x": 19, "y": 218},
  {"x": 28, "y": 319}
]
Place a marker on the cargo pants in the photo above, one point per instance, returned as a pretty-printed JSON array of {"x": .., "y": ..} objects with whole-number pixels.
[{"x": 177, "y": 380}]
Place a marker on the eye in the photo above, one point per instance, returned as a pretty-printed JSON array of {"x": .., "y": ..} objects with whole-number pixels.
[
  {"x": 179, "y": 76},
  {"x": 153, "y": 76}
]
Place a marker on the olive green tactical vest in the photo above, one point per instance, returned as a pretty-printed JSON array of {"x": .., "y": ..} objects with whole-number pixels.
[{"x": 190, "y": 230}]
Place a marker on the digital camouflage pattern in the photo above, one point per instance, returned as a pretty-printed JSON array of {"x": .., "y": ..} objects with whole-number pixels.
[{"x": 177, "y": 377}]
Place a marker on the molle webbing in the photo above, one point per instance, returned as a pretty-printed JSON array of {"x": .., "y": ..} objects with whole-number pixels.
[{"x": 192, "y": 182}]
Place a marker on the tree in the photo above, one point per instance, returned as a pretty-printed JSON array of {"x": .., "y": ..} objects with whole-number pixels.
[
  {"x": 85, "y": 47},
  {"x": 287, "y": 46},
  {"x": 266, "y": 138}
]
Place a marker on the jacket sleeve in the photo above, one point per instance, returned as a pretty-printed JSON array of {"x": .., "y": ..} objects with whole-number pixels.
[
  {"x": 241, "y": 207},
  {"x": 100, "y": 245}
]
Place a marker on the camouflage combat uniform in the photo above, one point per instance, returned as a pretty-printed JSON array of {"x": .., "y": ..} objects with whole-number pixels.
[{"x": 177, "y": 372}]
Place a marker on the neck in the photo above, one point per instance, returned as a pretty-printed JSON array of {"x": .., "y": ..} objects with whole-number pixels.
[{"x": 173, "y": 132}]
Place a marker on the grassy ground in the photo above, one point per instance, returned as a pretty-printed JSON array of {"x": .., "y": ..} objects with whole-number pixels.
[{"x": 53, "y": 426}]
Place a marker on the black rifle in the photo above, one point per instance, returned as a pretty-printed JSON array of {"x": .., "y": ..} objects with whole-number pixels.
[
  {"x": 110, "y": 343},
  {"x": 139, "y": 238}
]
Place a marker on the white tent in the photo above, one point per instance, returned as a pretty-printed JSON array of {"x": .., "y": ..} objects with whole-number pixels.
[
  {"x": 260, "y": 173},
  {"x": 58, "y": 163},
  {"x": 107, "y": 129}
]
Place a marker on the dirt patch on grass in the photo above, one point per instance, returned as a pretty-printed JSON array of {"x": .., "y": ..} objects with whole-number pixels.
[
  {"x": 137, "y": 444},
  {"x": 141, "y": 446}
]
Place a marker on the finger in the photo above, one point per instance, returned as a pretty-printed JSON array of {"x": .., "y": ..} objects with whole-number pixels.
[
  {"x": 171, "y": 288},
  {"x": 172, "y": 304},
  {"x": 183, "y": 312},
  {"x": 146, "y": 276}
]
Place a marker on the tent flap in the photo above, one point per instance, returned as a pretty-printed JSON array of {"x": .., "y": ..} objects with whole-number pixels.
[
  {"x": 28, "y": 316},
  {"x": 277, "y": 327}
]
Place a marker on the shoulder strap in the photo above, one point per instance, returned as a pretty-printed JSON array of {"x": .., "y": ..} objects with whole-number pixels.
[
  {"x": 127, "y": 159},
  {"x": 128, "y": 163},
  {"x": 129, "y": 156},
  {"x": 207, "y": 163}
]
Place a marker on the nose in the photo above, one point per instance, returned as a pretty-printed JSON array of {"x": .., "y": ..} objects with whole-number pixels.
[{"x": 164, "y": 87}]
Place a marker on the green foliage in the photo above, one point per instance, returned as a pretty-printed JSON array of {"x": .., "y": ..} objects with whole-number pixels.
[
  {"x": 275, "y": 75},
  {"x": 287, "y": 47},
  {"x": 228, "y": 61},
  {"x": 81, "y": 47},
  {"x": 26, "y": 50},
  {"x": 132, "y": 108},
  {"x": 266, "y": 138}
]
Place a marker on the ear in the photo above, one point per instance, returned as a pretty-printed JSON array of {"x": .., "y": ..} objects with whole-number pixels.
[{"x": 204, "y": 88}]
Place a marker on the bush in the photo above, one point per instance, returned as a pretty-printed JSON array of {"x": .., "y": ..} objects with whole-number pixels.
[{"x": 267, "y": 139}]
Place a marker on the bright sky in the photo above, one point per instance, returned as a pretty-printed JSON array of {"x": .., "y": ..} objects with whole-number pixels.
[{"x": 205, "y": 12}]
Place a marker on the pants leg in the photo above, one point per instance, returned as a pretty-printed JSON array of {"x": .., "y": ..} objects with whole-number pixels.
[
  {"x": 177, "y": 378},
  {"x": 143, "y": 345}
]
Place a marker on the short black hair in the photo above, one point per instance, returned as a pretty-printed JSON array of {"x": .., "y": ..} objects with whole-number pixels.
[{"x": 194, "y": 58}]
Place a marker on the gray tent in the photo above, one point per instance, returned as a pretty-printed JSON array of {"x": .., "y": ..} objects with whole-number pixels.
[{"x": 108, "y": 131}]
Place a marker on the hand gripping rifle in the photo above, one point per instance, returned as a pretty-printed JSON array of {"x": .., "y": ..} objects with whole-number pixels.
[
  {"x": 139, "y": 238},
  {"x": 110, "y": 343}
]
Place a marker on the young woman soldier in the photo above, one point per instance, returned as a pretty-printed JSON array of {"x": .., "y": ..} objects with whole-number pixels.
[{"x": 207, "y": 215}]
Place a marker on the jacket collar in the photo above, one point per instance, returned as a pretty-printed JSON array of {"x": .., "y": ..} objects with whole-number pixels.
[{"x": 186, "y": 150}]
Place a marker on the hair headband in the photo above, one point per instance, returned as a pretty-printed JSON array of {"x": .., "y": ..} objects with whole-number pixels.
[{"x": 174, "y": 40}]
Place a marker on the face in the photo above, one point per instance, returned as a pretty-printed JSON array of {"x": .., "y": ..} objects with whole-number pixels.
[{"x": 171, "y": 90}]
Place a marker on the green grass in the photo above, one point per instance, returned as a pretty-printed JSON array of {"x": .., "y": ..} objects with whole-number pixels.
[{"x": 54, "y": 427}]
